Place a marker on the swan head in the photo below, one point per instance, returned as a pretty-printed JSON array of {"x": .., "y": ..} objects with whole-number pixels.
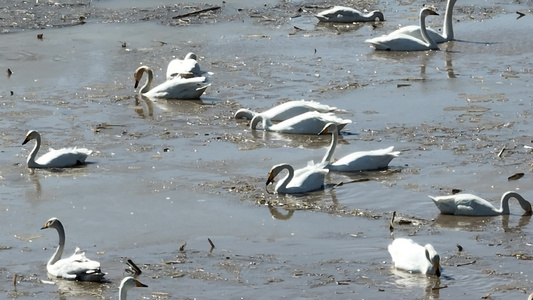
[
  {"x": 274, "y": 172},
  {"x": 434, "y": 259},
  {"x": 377, "y": 14},
  {"x": 139, "y": 74},
  {"x": 130, "y": 282},
  {"x": 191, "y": 55},
  {"x": 428, "y": 12},
  {"x": 31, "y": 135},
  {"x": 329, "y": 128},
  {"x": 52, "y": 223},
  {"x": 244, "y": 113},
  {"x": 256, "y": 119}
]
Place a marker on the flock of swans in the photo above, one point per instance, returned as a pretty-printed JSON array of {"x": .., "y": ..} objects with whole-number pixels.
[{"x": 185, "y": 80}]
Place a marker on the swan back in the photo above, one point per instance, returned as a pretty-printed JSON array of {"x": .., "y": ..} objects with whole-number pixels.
[
  {"x": 307, "y": 179},
  {"x": 410, "y": 256},
  {"x": 472, "y": 205},
  {"x": 343, "y": 14},
  {"x": 184, "y": 68},
  {"x": 126, "y": 284},
  {"x": 308, "y": 123},
  {"x": 286, "y": 110}
]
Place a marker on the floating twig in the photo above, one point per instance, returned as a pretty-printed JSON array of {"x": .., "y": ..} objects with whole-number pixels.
[
  {"x": 212, "y": 245},
  {"x": 40, "y": 36},
  {"x": 15, "y": 281},
  {"x": 391, "y": 226},
  {"x": 501, "y": 152},
  {"x": 133, "y": 267},
  {"x": 466, "y": 264},
  {"x": 9, "y": 72},
  {"x": 182, "y": 248},
  {"x": 516, "y": 176},
  {"x": 520, "y": 15},
  {"x": 196, "y": 12},
  {"x": 459, "y": 248}
]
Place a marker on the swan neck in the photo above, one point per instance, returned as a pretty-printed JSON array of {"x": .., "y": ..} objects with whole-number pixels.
[
  {"x": 148, "y": 84},
  {"x": 504, "y": 207},
  {"x": 423, "y": 31},
  {"x": 122, "y": 294},
  {"x": 448, "y": 27},
  {"x": 329, "y": 154},
  {"x": 244, "y": 114},
  {"x": 31, "y": 158},
  {"x": 283, "y": 184},
  {"x": 59, "y": 250}
]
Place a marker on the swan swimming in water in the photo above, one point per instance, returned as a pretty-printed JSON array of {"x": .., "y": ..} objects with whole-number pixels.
[
  {"x": 61, "y": 158},
  {"x": 447, "y": 32},
  {"x": 127, "y": 284},
  {"x": 307, "y": 179},
  {"x": 308, "y": 123},
  {"x": 356, "y": 161},
  {"x": 410, "y": 256},
  {"x": 175, "y": 88},
  {"x": 286, "y": 110},
  {"x": 343, "y": 14},
  {"x": 405, "y": 42},
  {"x": 472, "y": 205},
  {"x": 75, "y": 267},
  {"x": 187, "y": 67}
]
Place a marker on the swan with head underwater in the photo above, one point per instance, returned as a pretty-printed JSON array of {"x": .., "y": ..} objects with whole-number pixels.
[
  {"x": 126, "y": 284},
  {"x": 405, "y": 42},
  {"x": 343, "y": 14},
  {"x": 306, "y": 123},
  {"x": 307, "y": 179},
  {"x": 175, "y": 88},
  {"x": 188, "y": 67},
  {"x": 410, "y": 256},
  {"x": 286, "y": 110},
  {"x": 75, "y": 267},
  {"x": 61, "y": 158},
  {"x": 356, "y": 161},
  {"x": 472, "y": 205},
  {"x": 447, "y": 31}
]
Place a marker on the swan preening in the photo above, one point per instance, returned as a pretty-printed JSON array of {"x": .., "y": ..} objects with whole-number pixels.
[
  {"x": 405, "y": 42},
  {"x": 286, "y": 110},
  {"x": 175, "y": 88},
  {"x": 187, "y": 67},
  {"x": 307, "y": 179},
  {"x": 61, "y": 158},
  {"x": 75, "y": 267},
  {"x": 343, "y": 14},
  {"x": 410, "y": 256},
  {"x": 126, "y": 284},
  {"x": 356, "y": 161},
  {"x": 307, "y": 123},
  {"x": 447, "y": 31},
  {"x": 472, "y": 205}
]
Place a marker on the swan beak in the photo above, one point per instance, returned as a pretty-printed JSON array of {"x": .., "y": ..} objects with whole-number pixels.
[
  {"x": 136, "y": 83},
  {"x": 27, "y": 139},
  {"x": 270, "y": 178},
  {"x": 431, "y": 12},
  {"x": 45, "y": 225},
  {"x": 325, "y": 130},
  {"x": 437, "y": 270},
  {"x": 139, "y": 284}
]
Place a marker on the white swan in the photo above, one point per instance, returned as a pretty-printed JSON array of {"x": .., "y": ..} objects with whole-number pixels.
[
  {"x": 61, "y": 158},
  {"x": 126, "y": 284},
  {"x": 410, "y": 256},
  {"x": 404, "y": 42},
  {"x": 343, "y": 14},
  {"x": 307, "y": 123},
  {"x": 308, "y": 179},
  {"x": 286, "y": 110},
  {"x": 187, "y": 67},
  {"x": 75, "y": 267},
  {"x": 175, "y": 88},
  {"x": 472, "y": 205},
  {"x": 356, "y": 161},
  {"x": 447, "y": 31}
]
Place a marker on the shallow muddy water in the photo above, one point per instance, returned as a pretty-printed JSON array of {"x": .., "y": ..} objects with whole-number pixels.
[{"x": 168, "y": 173}]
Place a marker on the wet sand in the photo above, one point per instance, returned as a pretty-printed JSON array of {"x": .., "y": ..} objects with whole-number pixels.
[{"x": 166, "y": 173}]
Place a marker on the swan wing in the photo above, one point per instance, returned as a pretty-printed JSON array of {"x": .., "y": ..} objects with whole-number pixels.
[
  {"x": 77, "y": 267},
  {"x": 340, "y": 14},
  {"x": 292, "y": 109},
  {"x": 414, "y": 31},
  {"x": 66, "y": 157},
  {"x": 180, "y": 88},
  {"x": 464, "y": 205},
  {"x": 399, "y": 42},
  {"x": 409, "y": 256},
  {"x": 365, "y": 160},
  {"x": 308, "y": 123},
  {"x": 184, "y": 68}
]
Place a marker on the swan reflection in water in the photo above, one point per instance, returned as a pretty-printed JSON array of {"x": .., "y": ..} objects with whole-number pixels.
[
  {"x": 307, "y": 141},
  {"x": 188, "y": 107},
  {"x": 406, "y": 280},
  {"x": 299, "y": 202},
  {"x": 470, "y": 223}
]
